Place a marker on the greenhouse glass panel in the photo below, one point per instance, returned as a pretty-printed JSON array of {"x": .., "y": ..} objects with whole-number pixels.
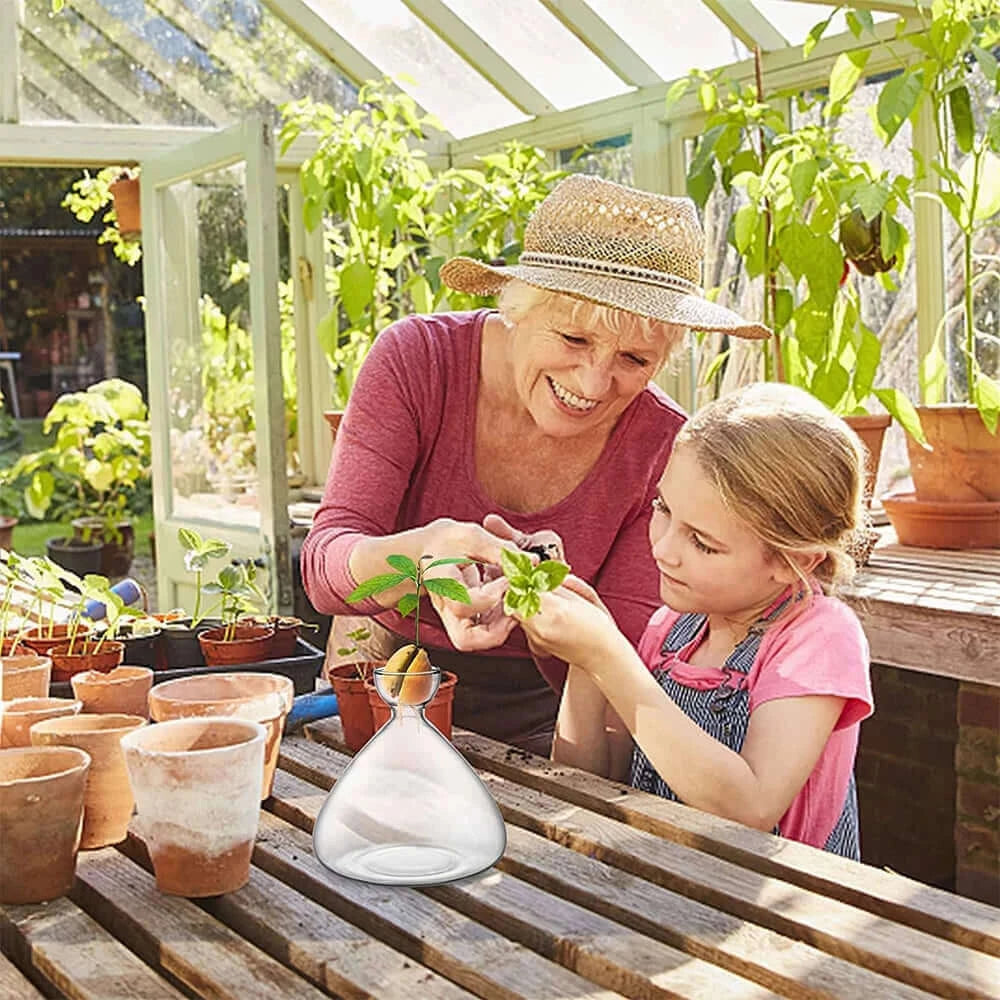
[
  {"x": 794, "y": 20},
  {"x": 391, "y": 37},
  {"x": 167, "y": 62},
  {"x": 607, "y": 158},
  {"x": 707, "y": 43},
  {"x": 542, "y": 50}
]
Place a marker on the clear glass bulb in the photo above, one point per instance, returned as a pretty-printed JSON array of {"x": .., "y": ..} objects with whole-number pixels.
[{"x": 409, "y": 810}]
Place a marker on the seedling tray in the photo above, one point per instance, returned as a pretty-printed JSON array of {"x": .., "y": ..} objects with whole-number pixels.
[{"x": 303, "y": 668}]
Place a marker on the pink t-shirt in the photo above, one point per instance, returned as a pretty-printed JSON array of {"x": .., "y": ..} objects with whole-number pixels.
[
  {"x": 820, "y": 650},
  {"x": 405, "y": 456}
]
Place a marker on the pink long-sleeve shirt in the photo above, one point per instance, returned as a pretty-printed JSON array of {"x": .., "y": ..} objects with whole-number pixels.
[{"x": 405, "y": 455}]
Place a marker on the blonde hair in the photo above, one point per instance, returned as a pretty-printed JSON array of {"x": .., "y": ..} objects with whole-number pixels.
[
  {"x": 790, "y": 470},
  {"x": 517, "y": 298}
]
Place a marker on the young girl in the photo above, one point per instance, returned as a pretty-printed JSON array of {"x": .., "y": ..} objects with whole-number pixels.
[{"x": 748, "y": 688}]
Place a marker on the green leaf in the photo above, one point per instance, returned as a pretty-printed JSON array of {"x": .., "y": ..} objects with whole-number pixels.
[
  {"x": 404, "y": 564},
  {"x": 744, "y": 227},
  {"x": 871, "y": 199},
  {"x": 962, "y": 121},
  {"x": 717, "y": 363},
  {"x": 375, "y": 585},
  {"x": 898, "y": 100},
  {"x": 700, "y": 184},
  {"x": 987, "y": 62},
  {"x": 988, "y": 195},
  {"x": 527, "y": 605},
  {"x": 547, "y": 575},
  {"x": 784, "y": 304},
  {"x": 903, "y": 412},
  {"x": 986, "y": 397},
  {"x": 677, "y": 90},
  {"x": 513, "y": 601},
  {"x": 189, "y": 539},
  {"x": 846, "y": 72},
  {"x": 406, "y": 604},
  {"x": 451, "y": 561},
  {"x": 515, "y": 563},
  {"x": 802, "y": 179},
  {"x": 444, "y": 586},
  {"x": 933, "y": 375},
  {"x": 357, "y": 288}
]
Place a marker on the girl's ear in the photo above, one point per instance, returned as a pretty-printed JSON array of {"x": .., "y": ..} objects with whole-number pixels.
[{"x": 805, "y": 562}]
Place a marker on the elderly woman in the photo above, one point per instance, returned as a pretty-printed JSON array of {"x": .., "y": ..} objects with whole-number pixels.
[{"x": 467, "y": 431}]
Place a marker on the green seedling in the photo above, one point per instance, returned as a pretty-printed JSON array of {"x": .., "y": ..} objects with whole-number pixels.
[{"x": 526, "y": 581}]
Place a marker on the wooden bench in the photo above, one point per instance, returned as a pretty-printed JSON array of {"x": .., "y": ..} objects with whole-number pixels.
[{"x": 603, "y": 892}]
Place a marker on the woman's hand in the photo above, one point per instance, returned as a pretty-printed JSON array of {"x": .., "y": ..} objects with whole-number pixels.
[{"x": 545, "y": 544}]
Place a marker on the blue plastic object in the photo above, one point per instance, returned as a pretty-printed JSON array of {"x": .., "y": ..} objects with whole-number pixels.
[
  {"x": 310, "y": 707},
  {"x": 128, "y": 590}
]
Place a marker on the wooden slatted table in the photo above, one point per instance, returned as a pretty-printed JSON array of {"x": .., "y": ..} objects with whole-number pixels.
[{"x": 603, "y": 892}]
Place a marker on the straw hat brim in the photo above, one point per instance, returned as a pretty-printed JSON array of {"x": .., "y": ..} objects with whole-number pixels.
[{"x": 464, "y": 274}]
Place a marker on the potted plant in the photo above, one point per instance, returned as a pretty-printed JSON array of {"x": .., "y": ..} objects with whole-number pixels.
[
  {"x": 95, "y": 473},
  {"x": 815, "y": 220},
  {"x": 45, "y": 618},
  {"x": 239, "y": 639},
  {"x": 83, "y": 648},
  {"x": 949, "y": 69}
]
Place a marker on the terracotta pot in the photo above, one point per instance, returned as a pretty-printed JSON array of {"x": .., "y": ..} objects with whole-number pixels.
[
  {"x": 197, "y": 786},
  {"x": 42, "y": 638},
  {"x": 123, "y": 690},
  {"x": 125, "y": 194},
  {"x": 871, "y": 428},
  {"x": 10, "y": 644},
  {"x": 21, "y": 714},
  {"x": 285, "y": 637},
  {"x": 249, "y": 644},
  {"x": 353, "y": 705},
  {"x": 964, "y": 464},
  {"x": 7, "y": 525},
  {"x": 333, "y": 418},
  {"x": 107, "y": 802},
  {"x": 943, "y": 525},
  {"x": 263, "y": 698},
  {"x": 86, "y": 655},
  {"x": 437, "y": 712},
  {"x": 24, "y": 676},
  {"x": 41, "y": 812}
]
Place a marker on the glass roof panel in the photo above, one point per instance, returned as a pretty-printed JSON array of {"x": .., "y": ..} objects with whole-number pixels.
[
  {"x": 794, "y": 20},
  {"x": 542, "y": 50},
  {"x": 404, "y": 48},
  {"x": 646, "y": 28},
  {"x": 196, "y": 62}
]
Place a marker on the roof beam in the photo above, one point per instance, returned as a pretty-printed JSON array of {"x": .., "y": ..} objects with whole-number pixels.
[
  {"x": 901, "y": 7},
  {"x": 9, "y": 60},
  {"x": 748, "y": 24},
  {"x": 225, "y": 47},
  {"x": 71, "y": 102},
  {"x": 604, "y": 42},
  {"x": 477, "y": 52},
  {"x": 131, "y": 103},
  {"x": 185, "y": 85}
]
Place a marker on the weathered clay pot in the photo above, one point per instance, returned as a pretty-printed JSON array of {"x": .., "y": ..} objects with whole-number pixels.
[
  {"x": 264, "y": 698},
  {"x": 122, "y": 690},
  {"x": 107, "y": 804},
  {"x": 353, "y": 705},
  {"x": 871, "y": 428},
  {"x": 11, "y": 644},
  {"x": 19, "y": 715},
  {"x": 24, "y": 676},
  {"x": 944, "y": 524},
  {"x": 437, "y": 712},
  {"x": 86, "y": 655},
  {"x": 285, "y": 637},
  {"x": 197, "y": 786},
  {"x": 250, "y": 643},
  {"x": 41, "y": 813},
  {"x": 42, "y": 638}
]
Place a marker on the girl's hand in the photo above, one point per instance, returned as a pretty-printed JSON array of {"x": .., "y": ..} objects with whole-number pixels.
[{"x": 573, "y": 625}]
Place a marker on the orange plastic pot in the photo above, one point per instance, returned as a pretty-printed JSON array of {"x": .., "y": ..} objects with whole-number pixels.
[
  {"x": 86, "y": 655},
  {"x": 249, "y": 644}
]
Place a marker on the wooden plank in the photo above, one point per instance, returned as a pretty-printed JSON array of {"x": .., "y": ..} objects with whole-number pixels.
[
  {"x": 834, "y": 927},
  {"x": 585, "y": 942},
  {"x": 74, "y": 956},
  {"x": 446, "y": 941},
  {"x": 176, "y": 936},
  {"x": 14, "y": 985},
  {"x": 895, "y": 897},
  {"x": 324, "y": 948}
]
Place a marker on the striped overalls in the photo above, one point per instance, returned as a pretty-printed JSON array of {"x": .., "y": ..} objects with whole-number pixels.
[{"x": 724, "y": 712}]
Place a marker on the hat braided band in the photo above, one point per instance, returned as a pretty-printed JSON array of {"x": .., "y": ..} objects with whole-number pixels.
[{"x": 587, "y": 265}]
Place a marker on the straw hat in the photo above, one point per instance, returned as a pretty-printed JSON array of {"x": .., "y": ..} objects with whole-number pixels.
[{"x": 615, "y": 246}]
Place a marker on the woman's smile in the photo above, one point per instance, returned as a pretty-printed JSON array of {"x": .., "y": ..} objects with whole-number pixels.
[{"x": 569, "y": 400}]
